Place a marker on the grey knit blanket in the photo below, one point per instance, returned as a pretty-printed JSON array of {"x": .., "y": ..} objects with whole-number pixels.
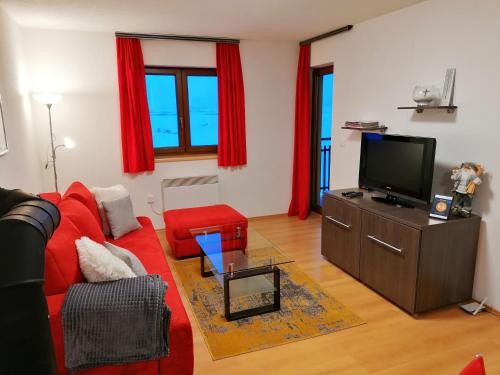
[{"x": 115, "y": 322}]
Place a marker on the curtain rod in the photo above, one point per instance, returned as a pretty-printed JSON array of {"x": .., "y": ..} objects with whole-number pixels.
[
  {"x": 326, "y": 35},
  {"x": 191, "y": 38}
]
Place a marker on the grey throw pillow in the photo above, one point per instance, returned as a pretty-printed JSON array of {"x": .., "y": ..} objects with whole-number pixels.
[
  {"x": 107, "y": 194},
  {"x": 121, "y": 217},
  {"x": 128, "y": 257}
]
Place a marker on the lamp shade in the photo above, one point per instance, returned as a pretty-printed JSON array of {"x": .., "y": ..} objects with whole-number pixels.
[
  {"x": 47, "y": 98},
  {"x": 69, "y": 143}
]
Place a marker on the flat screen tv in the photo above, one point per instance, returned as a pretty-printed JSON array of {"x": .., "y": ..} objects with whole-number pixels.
[{"x": 399, "y": 166}]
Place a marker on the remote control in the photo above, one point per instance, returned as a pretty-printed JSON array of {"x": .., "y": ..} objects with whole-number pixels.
[{"x": 352, "y": 194}]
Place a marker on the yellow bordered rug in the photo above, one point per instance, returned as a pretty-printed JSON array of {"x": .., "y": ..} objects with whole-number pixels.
[{"x": 307, "y": 310}]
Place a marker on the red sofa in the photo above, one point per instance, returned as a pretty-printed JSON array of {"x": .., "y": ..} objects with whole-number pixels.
[{"x": 80, "y": 217}]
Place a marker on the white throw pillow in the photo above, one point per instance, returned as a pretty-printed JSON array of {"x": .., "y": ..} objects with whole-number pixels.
[
  {"x": 98, "y": 264},
  {"x": 107, "y": 194}
]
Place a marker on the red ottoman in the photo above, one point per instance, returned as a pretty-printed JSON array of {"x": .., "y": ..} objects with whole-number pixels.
[{"x": 179, "y": 222}]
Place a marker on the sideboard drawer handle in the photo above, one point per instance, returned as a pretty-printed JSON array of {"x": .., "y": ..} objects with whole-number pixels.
[
  {"x": 385, "y": 244},
  {"x": 343, "y": 225}
]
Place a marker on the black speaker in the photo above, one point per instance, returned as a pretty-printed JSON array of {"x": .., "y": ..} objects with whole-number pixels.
[{"x": 27, "y": 223}]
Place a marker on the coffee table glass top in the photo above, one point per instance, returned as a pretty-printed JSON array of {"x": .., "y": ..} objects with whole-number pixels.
[{"x": 229, "y": 248}]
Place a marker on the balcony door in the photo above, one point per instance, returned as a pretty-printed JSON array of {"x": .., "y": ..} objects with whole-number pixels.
[{"x": 321, "y": 134}]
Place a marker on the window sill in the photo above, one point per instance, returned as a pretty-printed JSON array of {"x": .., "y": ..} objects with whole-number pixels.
[{"x": 175, "y": 158}]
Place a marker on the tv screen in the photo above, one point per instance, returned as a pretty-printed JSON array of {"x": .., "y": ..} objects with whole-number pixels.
[{"x": 398, "y": 165}]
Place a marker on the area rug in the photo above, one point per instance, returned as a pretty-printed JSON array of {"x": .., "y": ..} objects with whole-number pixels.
[{"x": 307, "y": 310}]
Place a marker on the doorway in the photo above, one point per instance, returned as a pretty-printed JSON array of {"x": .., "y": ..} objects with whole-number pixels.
[{"x": 321, "y": 136}]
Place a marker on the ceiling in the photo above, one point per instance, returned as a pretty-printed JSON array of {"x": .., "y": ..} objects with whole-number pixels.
[{"x": 245, "y": 19}]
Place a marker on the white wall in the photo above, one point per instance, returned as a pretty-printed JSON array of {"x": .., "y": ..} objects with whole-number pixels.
[
  {"x": 378, "y": 63},
  {"x": 82, "y": 66},
  {"x": 19, "y": 168}
]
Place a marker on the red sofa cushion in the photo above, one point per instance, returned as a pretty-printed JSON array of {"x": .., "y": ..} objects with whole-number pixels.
[
  {"x": 61, "y": 259},
  {"x": 179, "y": 222},
  {"x": 82, "y": 218},
  {"x": 52, "y": 197},
  {"x": 78, "y": 191}
]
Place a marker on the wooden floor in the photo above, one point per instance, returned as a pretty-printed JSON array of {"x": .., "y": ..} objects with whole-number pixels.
[{"x": 392, "y": 342}]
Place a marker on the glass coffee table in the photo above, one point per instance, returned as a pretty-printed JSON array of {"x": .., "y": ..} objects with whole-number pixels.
[{"x": 244, "y": 263}]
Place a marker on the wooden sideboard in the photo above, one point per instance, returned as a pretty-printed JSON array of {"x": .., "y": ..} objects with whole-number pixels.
[{"x": 417, "y": 262}]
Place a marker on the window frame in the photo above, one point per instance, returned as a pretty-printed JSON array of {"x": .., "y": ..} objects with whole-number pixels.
[{"x": 183, "y": 119}]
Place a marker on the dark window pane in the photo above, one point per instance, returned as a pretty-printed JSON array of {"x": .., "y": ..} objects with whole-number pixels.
[
  {"x": 162, "y": 102},
  {"x": 203, "y": 110}
]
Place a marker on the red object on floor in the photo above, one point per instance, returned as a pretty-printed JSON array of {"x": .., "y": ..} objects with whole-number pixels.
[
  {"x": 179, "y": 222},
  {"x": 137, "y": 138},
  {"x": 475, "y": 367},
  {"x": 299, "y": 205},
  {"x": 232, "y": 148},
  {"x": 62, "y": 270}
]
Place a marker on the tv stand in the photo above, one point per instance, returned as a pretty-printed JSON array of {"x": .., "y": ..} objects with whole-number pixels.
[
  {"x": 417, "y": 262},
  {"x": 394, "y": 201}
]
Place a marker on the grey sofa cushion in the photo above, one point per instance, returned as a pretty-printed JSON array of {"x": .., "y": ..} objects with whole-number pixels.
[
  {"x": 121, "y": 217},
  {"x": 107, "y": 194},
  {"x": 128, "y": 257}
]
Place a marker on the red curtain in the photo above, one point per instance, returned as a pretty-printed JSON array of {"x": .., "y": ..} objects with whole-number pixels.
[
  {"x": 299, "y": 204},
  {"x": 232, "y": 150},
  {"x": 137, "y": 142}
]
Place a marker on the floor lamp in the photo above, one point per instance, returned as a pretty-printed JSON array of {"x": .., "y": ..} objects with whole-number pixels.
[{"x": 49, "y": 100}]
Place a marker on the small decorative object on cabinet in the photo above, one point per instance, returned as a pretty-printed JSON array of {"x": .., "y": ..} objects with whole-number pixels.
[
  {"x": 466, "y": 179},
  {"x": 417, "y": 262},
  {"x": 3, "y": 137},
  {"x": 426, "y": 95},
  {"x": 441, "y": 206}
]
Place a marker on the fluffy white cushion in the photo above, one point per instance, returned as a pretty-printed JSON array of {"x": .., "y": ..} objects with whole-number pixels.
[
  {"x": 98, "y": 264},
  {"x": 107, "y": 194}
]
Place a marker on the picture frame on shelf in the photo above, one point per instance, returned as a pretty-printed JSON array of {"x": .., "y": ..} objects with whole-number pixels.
[
  {"x": 3, "y": 135},
  {"x": 441, "y": 207},
  {"x": 448, "y": 87}
]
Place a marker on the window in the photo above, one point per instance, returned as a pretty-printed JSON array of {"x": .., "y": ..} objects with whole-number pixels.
[{"x": 183, "y": 109}]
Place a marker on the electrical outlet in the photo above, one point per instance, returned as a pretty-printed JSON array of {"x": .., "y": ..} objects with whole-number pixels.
[{"x": 150, "y": 198}]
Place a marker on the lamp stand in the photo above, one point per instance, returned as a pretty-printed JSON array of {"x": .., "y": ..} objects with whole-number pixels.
[{"x": 49, "y": 106}]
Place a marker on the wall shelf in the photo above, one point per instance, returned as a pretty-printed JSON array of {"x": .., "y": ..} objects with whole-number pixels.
[
  {"x": 420, "y": 109},
  {"x": 379, "y": 129}
]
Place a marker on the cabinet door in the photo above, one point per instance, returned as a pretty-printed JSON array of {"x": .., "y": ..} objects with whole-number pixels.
[
  {"x": 340, "y": 234},
  {"x": 389, "y": 258}
]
